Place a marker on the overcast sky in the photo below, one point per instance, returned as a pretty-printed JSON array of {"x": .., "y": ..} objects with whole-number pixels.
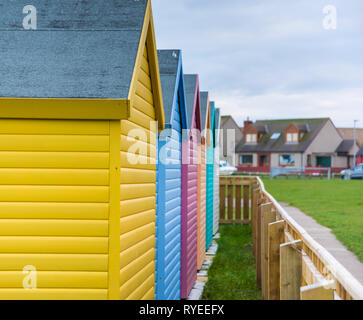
[{"x": 268, "y": 59}]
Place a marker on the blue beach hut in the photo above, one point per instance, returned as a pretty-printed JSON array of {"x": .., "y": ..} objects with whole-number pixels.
[{"x": 168, "y": 177}]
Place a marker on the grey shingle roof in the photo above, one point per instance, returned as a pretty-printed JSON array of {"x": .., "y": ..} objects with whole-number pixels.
[
  {"x": 279, "y": 145},
  {"x": 190, "y": 82},
  {"x": 81, "y": 49},
  {"x": 203, "y": 107},
  {"x": 345, "y": 146},
  {"x": 168, "y": 66}
]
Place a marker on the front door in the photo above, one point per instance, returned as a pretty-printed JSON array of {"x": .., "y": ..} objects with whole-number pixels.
[
  {"x": 323, "y": 162},
  {"x": 264, "y": 160}
]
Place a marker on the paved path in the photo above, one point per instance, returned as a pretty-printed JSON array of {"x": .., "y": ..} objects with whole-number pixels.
[{"x": 328, "y": 240}]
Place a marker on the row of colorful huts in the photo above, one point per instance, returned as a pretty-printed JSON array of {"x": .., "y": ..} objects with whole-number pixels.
[
  {"x": 86, "y": 209},
  {"x": 187, "y": 179}
]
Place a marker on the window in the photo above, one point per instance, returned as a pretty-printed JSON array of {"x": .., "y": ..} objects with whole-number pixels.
[
  {"x": 287, "y": 159},
  {"x": 251, "y": 138},
  {"x": 275, "y": 136},
  {"x": 292, "y": 138},
  {"x": 302, "y": 135},
  {"x": 246, "y": 159}
]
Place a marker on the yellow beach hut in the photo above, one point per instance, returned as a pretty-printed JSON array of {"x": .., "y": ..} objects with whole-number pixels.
[{"x": 79, "y": 94}]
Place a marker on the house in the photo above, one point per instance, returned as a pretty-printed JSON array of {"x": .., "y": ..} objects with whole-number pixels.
[
  {"x": 75, "y": 204},
  {"x": 230, "y": 134},
  {"x": 293, "y": 143},
  {"x": 348, "y": 134},
  {"x": 168, "y": 176}
]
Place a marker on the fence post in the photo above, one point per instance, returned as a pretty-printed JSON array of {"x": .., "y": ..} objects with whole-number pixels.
[
  {"x": 267, "y": 217},
  {"x": 230, "y": 201},
  {"x": 275, "y": 238},
  {"x": 290, "y": 270},
  {"x": 258, "y": 241},
  {"x": 222, "y": 201},
  {"x": 246, "y": 203},
  {"x": 238, "y": 203},
  {"x": 320, "y": 291},
  {"x": 255, "y": 193}
]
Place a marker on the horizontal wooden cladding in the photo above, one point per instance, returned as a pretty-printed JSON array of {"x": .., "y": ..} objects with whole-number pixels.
[
  {"x": 54, "y": 262},
  {"x": 53, "y": 294},
  {"x": 81, "y": 177},
  {"x": 139, "y": 147},
  {"x": 143, "y": 120},
  {"x": 129, "y": 160},
  {"x": 37, "y": 227},
  {"x": 145, "y": 64},
  {"x": 45, "y": 210},
  {"x": 54, "y": 143},
  {"x": 29, "y": 244},
  {"x": 129, "y": 239},
  {"x": 53, "y": 194},
  {"x": 136, "y": 176},
  {"x": 137, "y": 265},
  {"x": 56, "y": 279},
  {"x": 138, "y": 285},
  {"x": 135, "y": 130},
  {"x": 144, "y": 78},
  {"x": 54, "y": 127},
  {"x": 145, "y": 93},
  {"x": 135, "y": 221},
  {"x": 74, "y": 160},
  {"x": 144, "y": 106},
  {"x": 130, "y": 207},
  {"x": 131, "y": 254},
  {"x": 136, "y": 191}
]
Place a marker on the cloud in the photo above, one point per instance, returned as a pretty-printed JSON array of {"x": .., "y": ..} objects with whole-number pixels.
[{"x": 275, "y": 52}]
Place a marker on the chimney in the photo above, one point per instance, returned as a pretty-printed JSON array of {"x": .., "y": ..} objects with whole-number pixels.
[{"x": 246, "y": 124}]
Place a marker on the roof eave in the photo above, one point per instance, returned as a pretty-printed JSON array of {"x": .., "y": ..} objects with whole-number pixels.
[{"x": 64, "y": 108}]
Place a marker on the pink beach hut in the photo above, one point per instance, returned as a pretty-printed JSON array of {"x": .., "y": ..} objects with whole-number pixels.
[{"x": 191, "y": 139}]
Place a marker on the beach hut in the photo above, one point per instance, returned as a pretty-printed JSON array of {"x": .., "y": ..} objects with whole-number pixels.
[
  {"x": 216, "y": 172},
  {"x": 168, "y": 198},
  {"x": 79, "y": 96},
  {"x": 190, "y": 186},
  {"x": 205, "y": 141},
  {"x": 210, "y": 179}
]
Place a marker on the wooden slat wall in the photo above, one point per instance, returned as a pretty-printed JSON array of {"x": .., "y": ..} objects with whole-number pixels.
[
  {"x": 189, "y": 217},
  {"x": 137, "y": 205},
  {"x": 54, "y": 192},
  {"x": 168, "y": 214}
]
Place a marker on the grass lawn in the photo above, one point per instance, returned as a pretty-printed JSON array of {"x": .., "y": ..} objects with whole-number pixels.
[
  {"x": 336, "y": 204},
  {"x": 232, "y": 275}
]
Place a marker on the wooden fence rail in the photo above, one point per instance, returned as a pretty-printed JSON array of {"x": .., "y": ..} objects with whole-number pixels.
[{"x": 290, "y": 264}]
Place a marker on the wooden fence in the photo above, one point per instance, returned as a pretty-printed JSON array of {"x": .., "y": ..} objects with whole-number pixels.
[
  {"x": 235, "y": 195},
  {"x": 290, "y": 264}
]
